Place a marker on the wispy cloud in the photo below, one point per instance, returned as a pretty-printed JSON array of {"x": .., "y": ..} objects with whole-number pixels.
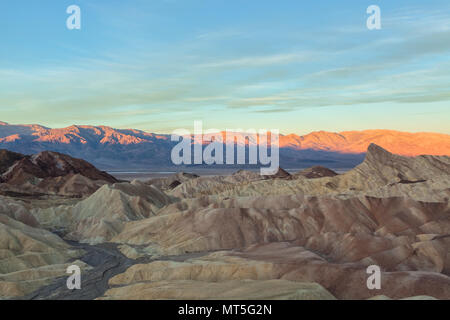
[
  {"x": 260, "y": 61},
  {"x": 178, "y": 72}
]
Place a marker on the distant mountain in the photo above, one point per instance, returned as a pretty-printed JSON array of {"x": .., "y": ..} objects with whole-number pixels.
[{"x": 110, "y": 148}]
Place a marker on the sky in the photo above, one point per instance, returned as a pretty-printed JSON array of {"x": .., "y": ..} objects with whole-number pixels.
[{"x": 159, "y": 65}]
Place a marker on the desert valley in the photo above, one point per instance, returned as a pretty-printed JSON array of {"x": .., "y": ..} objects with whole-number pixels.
[
  {"x": 224, "y": 159},
  {"x": 308, "y": 234}
]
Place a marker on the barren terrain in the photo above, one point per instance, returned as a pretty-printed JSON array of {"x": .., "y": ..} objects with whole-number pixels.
[{"x": 307, "y": 235}]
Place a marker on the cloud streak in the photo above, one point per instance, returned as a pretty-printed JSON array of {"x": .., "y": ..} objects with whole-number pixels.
[{"x": 251, "y": 68}]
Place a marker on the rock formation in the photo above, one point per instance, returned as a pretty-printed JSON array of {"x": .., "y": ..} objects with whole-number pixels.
[
  {"x": 316, "y": 172},
  {"x": 30, "y": 257},
  {"x": 50, "y": 173},
  {"x": 310, "y": 235},
  {"x": 102, "y": 215}
]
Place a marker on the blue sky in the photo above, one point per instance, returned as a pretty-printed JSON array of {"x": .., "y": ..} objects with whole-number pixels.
[{"x": 158, "y": 65}]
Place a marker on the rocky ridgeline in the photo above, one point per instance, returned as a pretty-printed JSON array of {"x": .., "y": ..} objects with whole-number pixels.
[{"x": 108, "y": 147}]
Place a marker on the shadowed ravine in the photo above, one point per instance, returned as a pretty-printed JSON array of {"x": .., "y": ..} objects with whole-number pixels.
[{"x": 107, "y": 261}]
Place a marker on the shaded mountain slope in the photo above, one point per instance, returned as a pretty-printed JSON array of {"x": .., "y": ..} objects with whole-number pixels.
[
  {"x": 8, "y": 158},
  {"x": 316, "y": 172},
  {"x": 50, "y": 173}
]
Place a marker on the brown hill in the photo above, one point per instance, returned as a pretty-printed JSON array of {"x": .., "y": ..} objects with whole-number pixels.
[
  {"x": 52, "y": 172},
  {"x": 280, "y": 174},
  {"x": 316, "y": 172},
  {"x": 8, "y": 158}
]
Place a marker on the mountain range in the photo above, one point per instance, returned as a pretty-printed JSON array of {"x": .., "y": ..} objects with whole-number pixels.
[{"x": 110, "y": 148}]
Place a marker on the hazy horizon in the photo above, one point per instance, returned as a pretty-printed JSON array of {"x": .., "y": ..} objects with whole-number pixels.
[{"x": 299, "y": 133}]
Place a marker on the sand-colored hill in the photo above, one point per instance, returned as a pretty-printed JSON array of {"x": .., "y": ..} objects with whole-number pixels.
[
  {"x": 264, "y": 265},
  {"x": 382, "y": 173},
  {"x": 381, "y": 167},
  {"x": 17, "y": 211},
  {"x": 103, "y": 214},
  {"x": 225, "y": 290},
  {"x": 30, "y": 257},
  {"x": 173, "y": 181},
  {"x": 238, "y": 223}
]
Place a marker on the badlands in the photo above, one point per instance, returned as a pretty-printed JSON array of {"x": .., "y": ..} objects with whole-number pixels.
[{"x": 309, "y": 235}]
